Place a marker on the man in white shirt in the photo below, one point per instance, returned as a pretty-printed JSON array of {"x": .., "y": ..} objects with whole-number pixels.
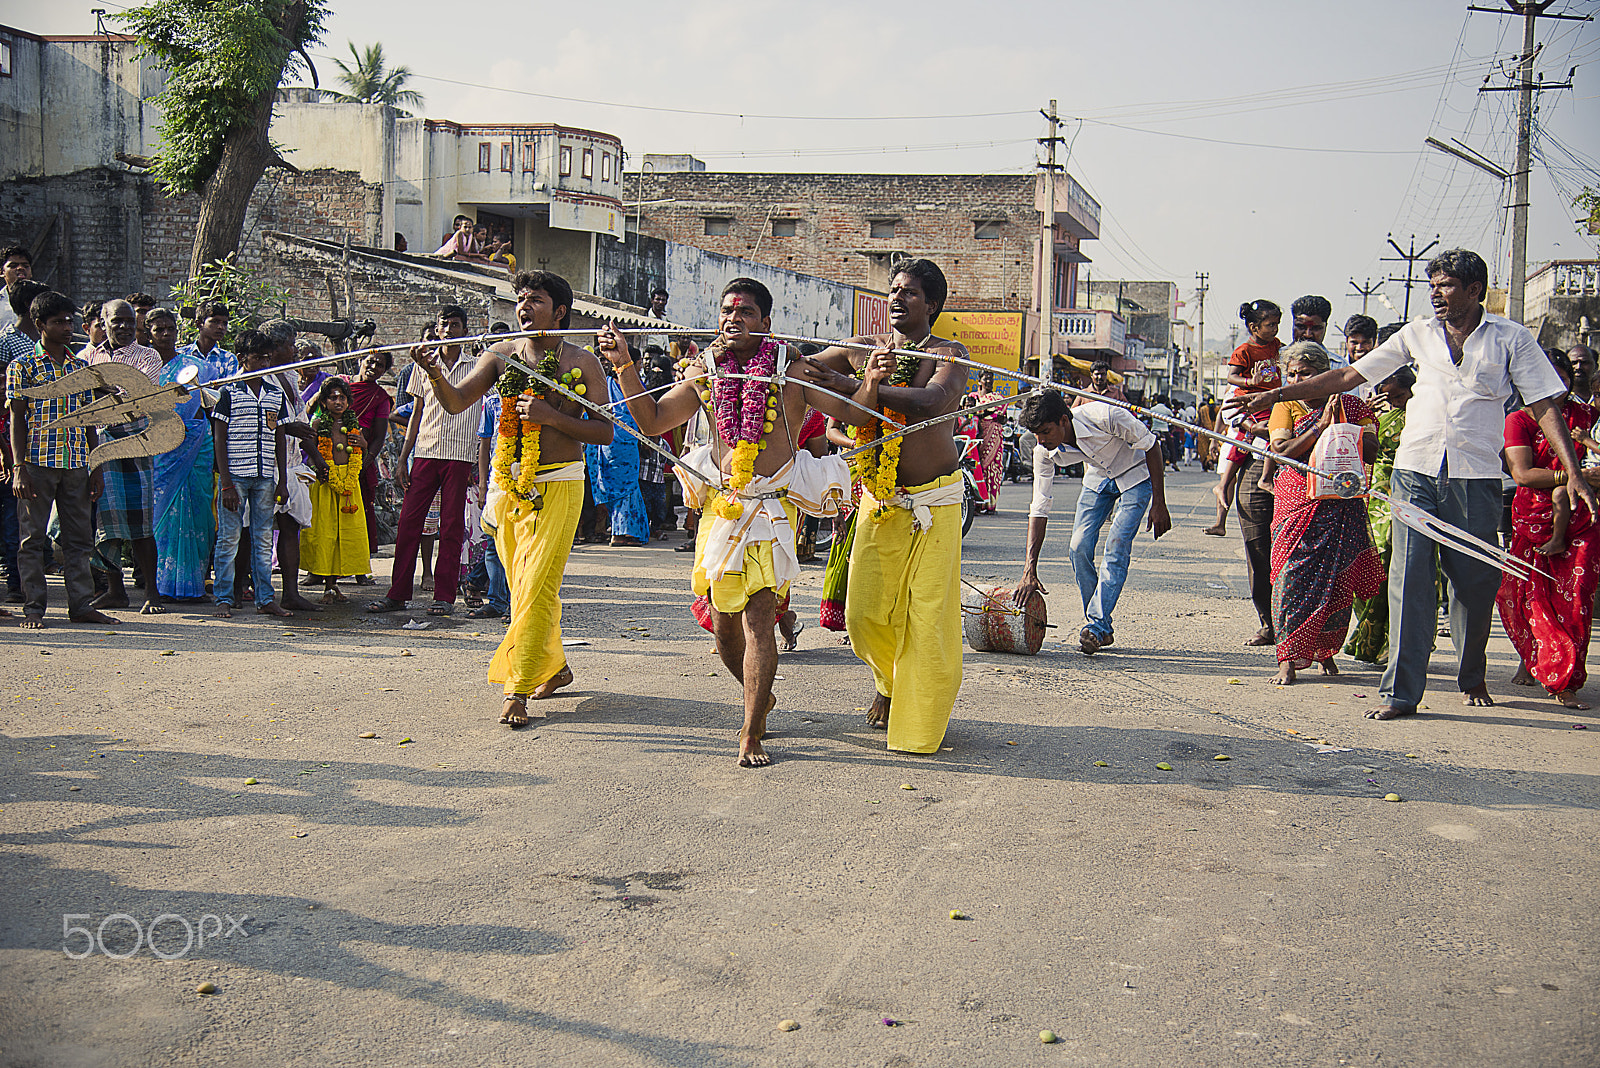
[
  {"x": 1123, "y": 469},
  {"x": 1468, "y": 362}
]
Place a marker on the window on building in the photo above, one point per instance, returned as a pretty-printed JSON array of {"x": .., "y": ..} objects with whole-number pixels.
[
  {"x": 505, "y": 156},
  {"x": 605, "y": 166},
  {"x": 987, "y": 229},
  {"x": 588, "y": 163},
  {"x": 5, "y": 59},
  {"x": 566, "y": 161},
  {"x": 528, "y": 157},
  {"x": 718, "y": 226},
  {"x": 785, "y": 227},
  {"x": 483, "y": 155},
  {"x": 881, "y": 228}
]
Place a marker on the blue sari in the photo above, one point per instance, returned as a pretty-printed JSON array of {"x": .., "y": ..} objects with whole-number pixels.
[
  {"x": 614, "y": 474},
  {"x": 186, "y": 523}
]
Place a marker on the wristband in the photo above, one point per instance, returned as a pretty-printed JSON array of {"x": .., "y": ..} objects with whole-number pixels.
[{"x": 621, "y": 367}]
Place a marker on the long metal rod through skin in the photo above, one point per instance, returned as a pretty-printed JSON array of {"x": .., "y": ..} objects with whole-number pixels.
[
  {"x": 512, "y": 361},
  {"x": 959, "y": 413},
  {"x": 1429, "y": 526}
]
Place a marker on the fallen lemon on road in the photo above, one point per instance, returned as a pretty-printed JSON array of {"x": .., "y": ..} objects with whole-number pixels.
[
  {"x": 1391, "y": 797},
  {"x": 1048, "y": 1037},
  {"x": 1163, "y": 766}
]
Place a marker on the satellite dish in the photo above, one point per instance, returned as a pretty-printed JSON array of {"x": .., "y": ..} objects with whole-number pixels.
[{"x": 189, "y": 376}]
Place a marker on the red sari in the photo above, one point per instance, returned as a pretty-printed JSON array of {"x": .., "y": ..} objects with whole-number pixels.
[
  {"x": 1322, "y": 558},
  {"x": 371, "y": 404},
  {"x": 1549, "y": 621}
]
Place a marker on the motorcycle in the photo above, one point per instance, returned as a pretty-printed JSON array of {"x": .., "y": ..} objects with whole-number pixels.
[{"x": 971, "y": 499}]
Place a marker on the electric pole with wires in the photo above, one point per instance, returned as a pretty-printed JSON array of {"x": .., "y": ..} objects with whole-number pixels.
[
  {"x": 1524, "y": 87},
  {"x": 1410, "y": 260},
  {"x": 1366, "y": 291}
]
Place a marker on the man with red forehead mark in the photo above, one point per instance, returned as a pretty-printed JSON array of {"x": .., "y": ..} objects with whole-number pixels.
[
  {"x": 744, "y": 548},
  {"x": 903, "y": 609}
]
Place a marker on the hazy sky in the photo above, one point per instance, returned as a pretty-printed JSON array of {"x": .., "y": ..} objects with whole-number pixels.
[{"x": 1187, "y": 111}]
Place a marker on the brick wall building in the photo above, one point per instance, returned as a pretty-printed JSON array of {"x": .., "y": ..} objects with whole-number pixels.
[
  {"x": 982, "y": 230},
  {"x": 104, "y": 232}
]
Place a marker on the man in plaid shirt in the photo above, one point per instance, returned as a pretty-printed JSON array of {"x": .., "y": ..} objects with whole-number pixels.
[{"x": 52, "y": 467}]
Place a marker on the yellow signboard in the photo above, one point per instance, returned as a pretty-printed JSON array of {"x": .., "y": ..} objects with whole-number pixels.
[{"x": 991, "y": 337}]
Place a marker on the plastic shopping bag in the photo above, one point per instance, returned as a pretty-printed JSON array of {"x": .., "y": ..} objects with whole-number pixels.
[{"x": 1337, "y": 453}]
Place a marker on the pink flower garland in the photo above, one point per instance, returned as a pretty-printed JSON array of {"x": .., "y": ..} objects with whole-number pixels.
[{"x": 741, "y": 403}]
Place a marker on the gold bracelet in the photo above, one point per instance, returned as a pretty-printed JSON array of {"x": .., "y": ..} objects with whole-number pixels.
[{"x": 1561, "y": 478}]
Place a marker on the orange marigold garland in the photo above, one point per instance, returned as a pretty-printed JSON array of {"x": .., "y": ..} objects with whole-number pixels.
[
  {"x": 516, "y": 451},
  {"x": 879, "y": 469},
  {"x": 345, "y": 478}
]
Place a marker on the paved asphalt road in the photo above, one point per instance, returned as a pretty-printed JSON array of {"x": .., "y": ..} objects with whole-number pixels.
[{"x": 608, "y": 888}]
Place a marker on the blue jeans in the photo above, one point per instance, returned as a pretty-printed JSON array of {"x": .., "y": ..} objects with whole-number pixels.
[
  {"x": 260, "y": 494},
  {"x": 10, "y": 538},
  {"x": 1100, "y": 589},
  {"x": 1473, "y": 504},
  {"x": 499, "y": 595}
]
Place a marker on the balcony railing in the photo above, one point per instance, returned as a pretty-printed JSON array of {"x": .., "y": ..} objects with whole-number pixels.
[{"x": 1561, "y": 278}]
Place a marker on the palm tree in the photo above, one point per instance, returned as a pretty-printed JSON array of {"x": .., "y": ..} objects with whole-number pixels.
[{"x": 370, "y": 82}]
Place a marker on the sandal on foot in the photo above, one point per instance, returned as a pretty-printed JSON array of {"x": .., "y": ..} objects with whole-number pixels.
[
  {"x": 441, "y": 608},
  {"x": 386, "y": 604},
  {"x": 485, "y": 612},
  {"x": 515, "y": 713}
]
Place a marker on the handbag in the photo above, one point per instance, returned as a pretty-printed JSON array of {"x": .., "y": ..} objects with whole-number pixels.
[{"x": 1337, "y": 453}]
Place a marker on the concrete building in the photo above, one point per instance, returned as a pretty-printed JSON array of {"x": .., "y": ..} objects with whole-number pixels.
[
  {"x": 1562, "y": 303},
  {"x": 551, "y": 190},
  {"x": 983, "y": 230}
]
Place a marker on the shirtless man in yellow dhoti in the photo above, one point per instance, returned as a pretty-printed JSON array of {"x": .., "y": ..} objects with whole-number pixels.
[
  {"x": 744, "y": 548},
  {"x": 536, "y": 493},
  {"x": 903, "y": 609}
]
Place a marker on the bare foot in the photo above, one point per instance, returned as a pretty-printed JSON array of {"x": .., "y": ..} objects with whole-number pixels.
[
  {"x": 1329, "y": 669},
  {"x": 1569, "y": 699},
  {"x": 515, "y": 713},
  {"x": 427, "y": 582},
  {"x": 549, "y": 686},
  {"x": 272, "y": 608},
  {"x": 1285, "y": 675},
  {"x": 1263, "y": 484},
  {"x": 331, "y": 595},
  {"x": 95, "y": 617},
  {"x": 224, "y": 611},
  {"x": 751, "y": 755},
  {"x": 111, "y": 599},
  {"x": 299, "y": 604},
  {"x": 1390, "y": 712},
  {"x": 1523, "y": 677},
  {"x": 1264, "y": 636},
  {"x": 1217, "y": 530},
  {"x": 1554, "y": 547},
  {"x": 878, "y": 714},
  {"x": 1477, "y": 697},
  {"x": 153, "y": 607},
  {"x": 32, "y": 622}
]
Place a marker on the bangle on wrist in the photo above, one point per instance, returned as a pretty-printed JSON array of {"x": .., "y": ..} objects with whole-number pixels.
[{"x": 621, "y": 367}]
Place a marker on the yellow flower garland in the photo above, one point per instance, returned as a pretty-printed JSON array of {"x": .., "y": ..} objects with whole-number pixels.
[
  {"x": 510, "y": 446},
  {"x": 879, "y": 469}
]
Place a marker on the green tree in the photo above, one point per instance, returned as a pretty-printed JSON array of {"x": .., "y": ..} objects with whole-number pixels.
[
  {"x": 224, "y": 61},
  {"x": 250, "y": 298},
  {"x": 371, "y": 81},
  {"x": 1589, "y": 201}
]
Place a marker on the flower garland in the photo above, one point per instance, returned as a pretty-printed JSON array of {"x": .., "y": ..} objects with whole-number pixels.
[
  {"x": 516, "y": 449},
  {"x": 879, "y": 469},
  {"x": 345, "y": 478},
  {"x": 745, "y": 411}
]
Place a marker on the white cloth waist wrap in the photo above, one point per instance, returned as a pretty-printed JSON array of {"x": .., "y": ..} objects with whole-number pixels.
[
  {"x": 921, "y": 503},
  {"x": 573, "y": 472},
  {"x": 817, "y": 485},
  {"x": 300, "y": 478}
]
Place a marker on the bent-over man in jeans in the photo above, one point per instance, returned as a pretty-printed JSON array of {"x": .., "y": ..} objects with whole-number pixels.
[{"x": 1122, "y": 480}]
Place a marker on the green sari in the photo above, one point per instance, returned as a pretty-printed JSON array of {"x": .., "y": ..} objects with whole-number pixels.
[{"x": 1369, "y": 638}]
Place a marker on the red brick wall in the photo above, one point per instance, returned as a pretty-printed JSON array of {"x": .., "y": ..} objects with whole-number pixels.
[
  {"x": 324, "y": 204},
  {"x": 936, "y": 218}
]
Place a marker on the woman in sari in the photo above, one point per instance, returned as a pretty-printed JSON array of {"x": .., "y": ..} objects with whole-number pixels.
[
  {"x": 1369, "y": 639},
  {"x": 991, "y": 442},
  {"x": 185, "y": 523},
  {"x": 372, "y": 405},
  {"x": 1549, "y": 619},
  {"x": 1322, "y": 554}
]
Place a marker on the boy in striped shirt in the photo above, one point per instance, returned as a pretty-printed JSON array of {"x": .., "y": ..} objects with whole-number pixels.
[{"x": 252, "y": 461}]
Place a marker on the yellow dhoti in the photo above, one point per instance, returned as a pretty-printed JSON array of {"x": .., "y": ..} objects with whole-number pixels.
[
  {"x": 903, "y": 608},
  {"x": 533, "y": 545},
  {"x": 336, "y": 541},
  {"x": 735, "y": 557}
]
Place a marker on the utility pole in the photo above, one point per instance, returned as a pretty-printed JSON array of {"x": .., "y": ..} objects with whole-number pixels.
[
  {"x": 1531, "y": 13},
  {"x": 1200, "y": 356},
  {"x": 1047, "y": 246},
  {"x": 1409, "y": 259},
  {"x": 1366, "y": 291}
]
